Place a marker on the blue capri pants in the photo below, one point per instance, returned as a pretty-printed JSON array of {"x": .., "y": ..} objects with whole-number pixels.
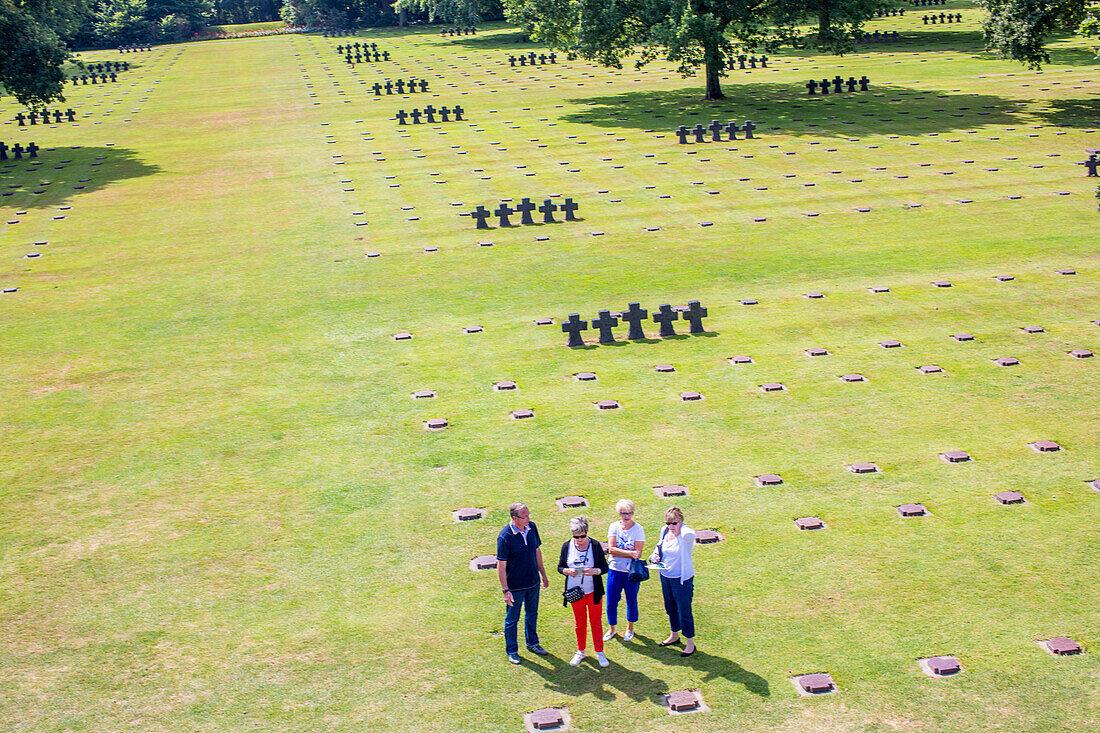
[{"x": 617, "y": 582}]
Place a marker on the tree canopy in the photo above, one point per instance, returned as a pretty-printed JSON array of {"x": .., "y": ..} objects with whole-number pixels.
[
  {"x": 32, "y": 52},
  {"x": 1019, "y": 29}
]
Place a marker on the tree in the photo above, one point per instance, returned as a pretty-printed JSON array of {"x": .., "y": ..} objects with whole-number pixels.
[
  {"x": 31, "y": 55},
  {"x": 1018, "y": 29},
  {"x": 692, "y": 33},
  {"x": 459, "y": 12}
]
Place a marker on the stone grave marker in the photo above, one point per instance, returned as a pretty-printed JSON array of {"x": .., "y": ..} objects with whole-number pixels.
[
  {"x": 1045, "y": 446},
  {"x": 607, "y": 404},
  {"x": 809, "y": 523},
  {"x": 912, "y": 510},
  {"x": 566, "y": 503},
  {"x": 483, "y": 562},
  {"x": 940, "y": 666},
  {"x": 1010, "y": 497},
  {"x": 814, "y": 684},
  {"x": 668, "y": 491},
  {"x": 468, "y": 514},
  {"x": 554, "y": 719},
  {"x": 860, "y": 468},
  {"x": 1062, "y": 646},
  {"x": 955, "y": 456}
]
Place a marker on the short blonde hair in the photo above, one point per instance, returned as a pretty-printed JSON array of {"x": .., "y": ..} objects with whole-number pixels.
[
  {"x": 674, "y": 515},
  {"x": 577, "y": 525},
  {"x": 624, "y": 505}
]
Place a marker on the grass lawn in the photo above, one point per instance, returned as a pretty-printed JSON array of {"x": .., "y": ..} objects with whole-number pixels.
[{"x": 219, "y": 507}]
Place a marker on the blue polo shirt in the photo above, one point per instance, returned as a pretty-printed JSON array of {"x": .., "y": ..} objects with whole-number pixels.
[{"x": 522, "y": 571}]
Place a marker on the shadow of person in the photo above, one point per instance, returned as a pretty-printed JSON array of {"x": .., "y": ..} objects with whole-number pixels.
[
  {"x": 588, "y": 678},
  {"x": 710, "y": 665}
]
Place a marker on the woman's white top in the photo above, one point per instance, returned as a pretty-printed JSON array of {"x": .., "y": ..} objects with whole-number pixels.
[
  {"x": 676, "y": 553},
  {"x": 580, "y": 559},
  {"x": 623, "y": 539}
]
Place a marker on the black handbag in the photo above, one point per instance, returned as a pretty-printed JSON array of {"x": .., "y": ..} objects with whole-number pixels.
[
  {"x": 571, "y": 595},
  {"x": 638, "y": 572}
]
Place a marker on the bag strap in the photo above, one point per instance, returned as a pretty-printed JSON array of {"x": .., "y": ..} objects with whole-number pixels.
[{"x": 660, "y": 541}]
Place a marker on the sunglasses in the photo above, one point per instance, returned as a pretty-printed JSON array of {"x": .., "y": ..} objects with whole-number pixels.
[
  {"x": 579, "y": 536},
  {"x": 626, "y": 514},
  {"x": 671, "y": 524}
]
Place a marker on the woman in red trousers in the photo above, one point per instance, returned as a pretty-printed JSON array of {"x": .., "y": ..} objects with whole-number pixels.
[{"x": 583, "y": 563}]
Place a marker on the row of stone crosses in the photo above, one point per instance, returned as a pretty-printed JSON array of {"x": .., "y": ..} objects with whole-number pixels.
[
  {"x": 740, "y": 62},
  {"x": 530, "y": 58},
  {"x": 892, "y": 11},
  {"x": 135, "y": 48},
  {"x": 357, "y": 46},
  {"x": 400, "y": 87},
  {"x": 715, "y": 128},
  {"x": 77, "y": 80},
  {"x": 337, "y": 32},
  {"x": 956, "y": 18},
  {"x": 838, "y": 82},
  {"x": 922, "y": 3},
  {"x": 366, "y": 56},
  {"x": 524, "y": 209},
  {"x": 68, "y": 114},
  {"x": 635, "y": 315},
  {"x": 429, "y": 113},
  {"x": 17, "y": 151},
  {"x": 878, "y": 37},
  {"x": 462, "y": 31},
  {"x": 108, "y": 66}
]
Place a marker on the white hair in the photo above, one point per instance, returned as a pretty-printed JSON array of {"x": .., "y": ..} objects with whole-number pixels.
[{"x": 578, "y": 525}]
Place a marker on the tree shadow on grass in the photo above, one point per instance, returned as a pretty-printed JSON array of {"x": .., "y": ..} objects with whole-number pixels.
[
  {"x": 710, "y": 665},
  {"x": 53, "y": 181},
  {"x": 1072, "y": 113},
  {"x": 590, "y": 679},
  {"x": 886, "y": 109}
]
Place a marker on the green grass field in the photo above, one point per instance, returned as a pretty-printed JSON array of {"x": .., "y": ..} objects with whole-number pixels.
[{"x": 219, "y": 507}]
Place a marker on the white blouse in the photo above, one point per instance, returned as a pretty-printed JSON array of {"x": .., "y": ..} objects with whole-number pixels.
[{"x": 580, "y": 559}]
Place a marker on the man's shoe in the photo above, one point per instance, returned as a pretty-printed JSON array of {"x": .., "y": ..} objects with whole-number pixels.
[
  {"x": 514, "y": 658},
  {"x": 537, "y": 649},
  {"x": 602, "y": 660},
  {"x": 577, "y": 659}
]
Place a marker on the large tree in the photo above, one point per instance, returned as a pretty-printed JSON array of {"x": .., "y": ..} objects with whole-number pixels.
[
  {"x": 32, "y": 51},
  {"x": 691, "y": 33},
  {"x": 1019, "y": 29}
]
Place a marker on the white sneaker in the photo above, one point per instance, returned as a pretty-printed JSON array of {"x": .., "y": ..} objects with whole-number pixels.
[
  {"x": 602, "y": 660},
  {"x": 629, "y": 636},
  {"x": 608, "y": 635},
  {"x": 577, "y": 659}
]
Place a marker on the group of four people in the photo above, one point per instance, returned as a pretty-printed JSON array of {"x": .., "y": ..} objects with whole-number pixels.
[{"x": 584, "y": 563}]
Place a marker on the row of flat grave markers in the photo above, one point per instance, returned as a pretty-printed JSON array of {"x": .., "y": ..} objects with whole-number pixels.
[
  {"x": 83, "y": 78},
  {"x": 529, "y": 59},
  {"x": 716, "y": 128},
  {"x": 68, "y": 114},
  {"x": 463, "y": 31},
  {"x": 17, "y": 151},
  {"x": 634, "y": 315},
  {"x": 878, "y": 37},
  {"x": 742, "y": 59},
  {"x": 890, "y": 12},
  {"x": 524, "y": 209},
  {"x": 838, "y": 84},
  {"x": 429, "y": 115},
  {"x": 135, "y": 49},
  {"x": 400, "y": 86},
  {"x": 944, "y": 18}
]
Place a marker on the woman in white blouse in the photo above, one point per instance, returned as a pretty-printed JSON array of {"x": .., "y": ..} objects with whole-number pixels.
[
  {"x": 583, "y": 563},
  {"x": 625, "y": 540},
  {"x": 677, "y": 578}
]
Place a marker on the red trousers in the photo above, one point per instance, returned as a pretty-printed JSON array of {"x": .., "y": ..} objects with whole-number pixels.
[{"x": 580, "y": 609}]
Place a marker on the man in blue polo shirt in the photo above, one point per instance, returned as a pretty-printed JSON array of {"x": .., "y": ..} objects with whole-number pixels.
[{"x": 519, "y": 566}]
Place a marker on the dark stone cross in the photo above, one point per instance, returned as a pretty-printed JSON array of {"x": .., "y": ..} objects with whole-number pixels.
[
  {"x": 423, "y": 85},
  {"x": 401, "y": 115},
  {"x": 481, "y": 214},
  {"x": 377, "y": 89},
  {"x": 764, "y": 62},
  {"x": 741, "y": 60},
  {"x": 634, "y": 315},
  {"x": 415, "y": 114},
  {"x": 851, "y": 83},
  {"x": 400, "y": 86},
  {"x": 511, "y": 60},
  {"x": 522, "y": 60},
  {"x": 665, "y": 316},
  {"x": 682, "y": 131},
  {"x": 752, "y": 62},
  {"x": 824, "y": 86},
  {"x": 504, "y": 211},
  {"x": 45, "y": 116},
  {"x": 699, "y": 131},
  {"x": 605, "y": 323},
  {"x": 748, "y": 127},
  {"x": 389, "y": 87},
  {"x": 57, "y": 115},
  {"x": 569, "y": 207},
  {"x": 864, "y": 82},
  {"x": 430, "y": 112},
  {"x": 838, "y": 83},
  {"x": 811, "y": 86},
  {"x": 458, "y": 113},
  {"x": 525, "y": 208},
  {"x": 1091, "y": 165},
  {"x": 444, "y": 114},
  {"x": 33, "y": 117},
  {"x": 3, "y": 151},
  {"x": 22, "y": 119},
  {"x": 385, "y": 56},
  {"x": 715, "y": 131},
  {"x": 17, "y": 151},
  {"x": 573, "y": 327},
  {"x": 694, "y": 315},
  {"x": 411, "y": 84},
  {"x": 553, "y": 58},
  {"x": 32, "y": 150},
  {"x": 548, "y": 208},
  {"x": 732, "y": 129}
]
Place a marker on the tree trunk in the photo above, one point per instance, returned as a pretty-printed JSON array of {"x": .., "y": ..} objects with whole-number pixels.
[
  {"x": 824, "y": 25},
  {"x": 402, "y": 18},
  {"x": 715, "y": 63}
]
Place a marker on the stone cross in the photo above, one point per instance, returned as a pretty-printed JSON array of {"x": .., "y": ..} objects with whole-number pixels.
[
  {"x": 32, "y": 149},
  {"x": 824, "y": 86},
  {"x": 715, "y": 131},
  {"x": 458, "y": 113},
  {"x": 33, "y": 117},
  {"x": 415, "y": 114},
  {"x": 695, "y": 315},
  {"x": 682, "y": 131},
  {"x": 864, "y": 82},
  {"x": 764, "y": 62},
  {"x": 548, "y": 208},
  {"x": 17, "y": 151},
  {"x": 665, "y": 317},
  {"x": 851, "y": 83},
  {"x": 522, "y": 60},
  {"x": 21, "y": 118},
  {"x": 430, "y": 112},
  {"x": 748, "y": 127},
  {"x": 481, "y": 214},
  {"x": 634, "y": 315},
  {"x": 569, "y": 207},
  {"x": 553, "y": 58},
  {"x": 57, "y": 115},
  {"x": 389, "y": 87},
  {"x": 1091, "y": 165},
  {"x": 511, "y": 60},
  {"x": 3, "y": 151},
  {"x": 401, "y": 115},
  {"x": 811, "y": 87},
  {"x": 444, "y": 114},
  {"x": 423, "y": 85},
  {"x": 377, "y": 89},
  {"x": 699, "y": 131},
  {"x": 525, "y": 208},
  {"x": 573, "y": 327},
  {"x": 504, "y": 211},
  {"x": 605, "y": 323},
  {"x": 400, "y": 86},
  {"x": 385, "y": 56},
  {"x": 732, "y": 129},
  {"x": 838, "y": 82}
]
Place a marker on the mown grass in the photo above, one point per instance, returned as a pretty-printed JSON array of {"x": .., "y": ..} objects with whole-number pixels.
[{"x": 220, "y": 509}]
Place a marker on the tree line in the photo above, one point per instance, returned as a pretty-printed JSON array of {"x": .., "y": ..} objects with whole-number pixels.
[{"x": 36, "y": 36}]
